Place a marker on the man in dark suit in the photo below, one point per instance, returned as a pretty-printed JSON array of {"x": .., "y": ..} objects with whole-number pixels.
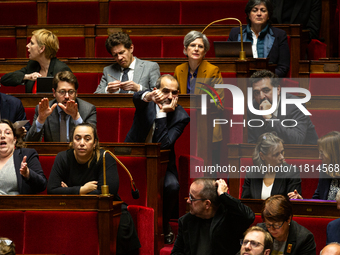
[
  {"x": 304, "y": 12},
  {"x": 215, "y": 223},
  {"x": 55, "y": 119},
  {"x": 159, "y": 119},
  {"x": 129, "y": 74},
  {"x": 333, "y": 228},
  {"x": 12, "y": 109},
  {"x": 263, "y": 82}
]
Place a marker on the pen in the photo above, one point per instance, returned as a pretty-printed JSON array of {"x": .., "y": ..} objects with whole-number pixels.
[{"x": 112, "y": 77}]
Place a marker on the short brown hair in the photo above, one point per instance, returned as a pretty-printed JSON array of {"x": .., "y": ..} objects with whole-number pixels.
[
  {"x": 5, "y": 248},
  {"x": 20, "y": 143},
  {"x": 65, "y": 76},
  {"x": 277, "y": 208},
  {"x": 46, "y": 38},
  {"x": 117, "y": 39},
  {"x": 264, "y": 74},
  {"x": 268, "y": 240}
]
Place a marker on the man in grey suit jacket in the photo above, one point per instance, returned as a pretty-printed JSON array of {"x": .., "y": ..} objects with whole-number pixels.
[
  {"x": 129, "y": 74},
  {"x": 49, "y": 114}
]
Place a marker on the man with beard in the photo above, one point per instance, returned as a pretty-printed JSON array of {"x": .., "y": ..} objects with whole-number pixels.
[
  {"x": 158, "y": 119},
  {"x": 298, "y": 127},
  {"x": 55, "y": 119},
  {"x": 256, "y": 241},
  {"x": 215, "y": 223}
]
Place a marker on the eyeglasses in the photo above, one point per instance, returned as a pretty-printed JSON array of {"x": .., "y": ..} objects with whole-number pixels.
[
  {"x": 7, "y": 242},
  {"x": 253, "y": 243},
  {"x": 63, "y": 92},
  {"x": 195, "y": 199},
  {"x": 167, "y": 91},
  {"x": 274, "y": 225}
]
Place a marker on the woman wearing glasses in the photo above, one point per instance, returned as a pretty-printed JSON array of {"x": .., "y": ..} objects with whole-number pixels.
[
  {"x": 289, "y": 237},
  {"x": 79, "y": 170},
  {"x": 42, "y": 48},
  {"x": 329, "y": 153},
  {"x": 271, "y": 175}
]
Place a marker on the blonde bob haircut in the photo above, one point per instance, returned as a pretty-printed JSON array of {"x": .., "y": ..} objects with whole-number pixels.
[
  {"x": 329, "y": 144},
  {"x": 46, "y": 38}
]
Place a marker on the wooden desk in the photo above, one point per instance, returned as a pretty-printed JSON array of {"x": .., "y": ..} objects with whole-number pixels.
[{"x": 108, "y": 212}]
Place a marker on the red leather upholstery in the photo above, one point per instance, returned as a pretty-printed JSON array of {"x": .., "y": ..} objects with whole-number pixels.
[
  {"x": 324, "y": 84},
  {"x": 108, "y": 124},
  {"x": 143, "y": 218},
  {"x": 18, "y": 13},
  {"x": 73, "y": 13},
  {"x": 71, "y": 47},
  {"x": 325, "y": 121}
]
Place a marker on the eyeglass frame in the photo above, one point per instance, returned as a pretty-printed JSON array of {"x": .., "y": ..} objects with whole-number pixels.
[
  {"x": 272, "y": 225},
  {"x": 253, "y": 243},
  {"x": 195, "y": 199},
  {"x": 70, "y": 92}
]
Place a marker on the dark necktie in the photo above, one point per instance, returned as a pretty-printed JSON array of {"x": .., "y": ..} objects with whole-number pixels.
[
  {"x": 125, "y": 77},
  {"x": 63, "y": 137}
]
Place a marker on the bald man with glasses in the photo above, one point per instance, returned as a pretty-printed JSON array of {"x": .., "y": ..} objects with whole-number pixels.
[
  {"x": 215, "y": 223},
  {"x": 54, "y": 120}
]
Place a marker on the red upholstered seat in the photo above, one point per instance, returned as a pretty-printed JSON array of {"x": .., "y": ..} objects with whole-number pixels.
[
  {"x": 144, "y": 12},
  {"x": 204, "y": 12},
  {"x": 316, "y": 50},
  {"x": 18, "y": 13},
  {"x": 73, "y": 12},
  {"x": 143, "y": 218},
  {"x": 46, "y": 164},
  {"x": 144, "y": 47},
  {"x": 173, "y": 47},
  {"x": 137, "y": 168},
  {"x": 49, "y": 232},
  {"x": 325, "y": 121},
  {"x": 11, "y": 90},
  {"x": 8, "y": 46},
  {"x": 324, "y": 84},
  {"x": 88, "y": 82},
  {"x": 125, "y": 122},
  {"x": 11, "y": 226},
  {"x": 30, "y": 111},
  {"x": 108, "y": 124},
  {"x": 71, "y": 47},
  {"x": 100, "y": 49}
]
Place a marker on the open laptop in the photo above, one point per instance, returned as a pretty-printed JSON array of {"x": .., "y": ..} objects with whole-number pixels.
[
  {"x": 232, "y": 49},
  {"x": 44, "y": 84}
]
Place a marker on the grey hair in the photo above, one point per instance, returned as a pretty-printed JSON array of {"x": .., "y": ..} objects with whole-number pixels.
[
  {"x": 266, "y": 143},
  {"x": 192, "y": 36}
]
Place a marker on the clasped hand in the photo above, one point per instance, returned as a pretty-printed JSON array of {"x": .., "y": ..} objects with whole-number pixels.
[{"x": 113, "y": 86}]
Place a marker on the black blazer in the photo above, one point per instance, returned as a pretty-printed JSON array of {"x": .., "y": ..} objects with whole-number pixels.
[
  {"x": 279, "y": 53},
  {"x": 305, "y": 12},
  {"x": 283, "y": 183},
  {"x": 12, "y": 109},
  {"x": 16, "y": 78},
  {"x": 37, "y": 181},
  {"x": 303, "y": 133},
  {"x": 300, "y": 239},
  {"x": 324, "y": 184},
  {"x": 230, "y": 221},
  {"x": 167, "y": 130}
]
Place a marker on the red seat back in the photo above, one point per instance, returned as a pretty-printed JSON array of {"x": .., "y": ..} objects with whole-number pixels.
[
  {"x": 18, "y": 13},
  {"x": 108, "y": 124}
]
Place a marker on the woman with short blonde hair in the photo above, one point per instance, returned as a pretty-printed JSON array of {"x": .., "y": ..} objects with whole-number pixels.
[{"x": 42, "y": 50}]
